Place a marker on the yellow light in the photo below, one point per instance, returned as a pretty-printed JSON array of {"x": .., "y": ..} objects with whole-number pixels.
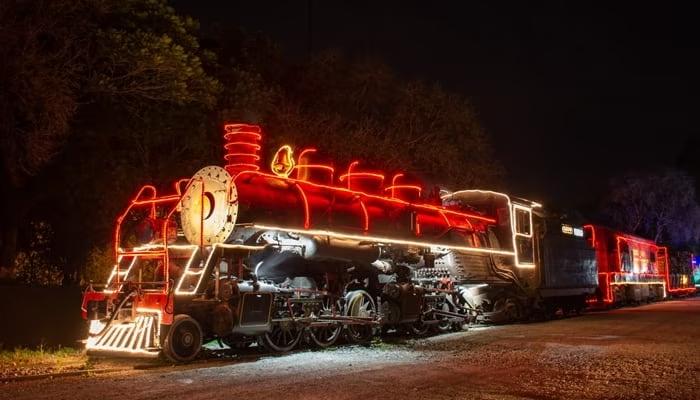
[{"x": 283, "y": 162}]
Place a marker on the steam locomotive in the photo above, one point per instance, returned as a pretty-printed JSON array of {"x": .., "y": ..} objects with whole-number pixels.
[{"x": 294, "y": 253}]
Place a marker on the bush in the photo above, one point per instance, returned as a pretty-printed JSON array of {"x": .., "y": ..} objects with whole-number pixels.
[{"x": 99, "y": 265}]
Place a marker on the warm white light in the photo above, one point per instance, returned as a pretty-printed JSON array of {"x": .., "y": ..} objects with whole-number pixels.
[
  {"x": 132, "y": 337},
  {"x": 189, "y": 271},
  {"x": 95, "y": 326}
]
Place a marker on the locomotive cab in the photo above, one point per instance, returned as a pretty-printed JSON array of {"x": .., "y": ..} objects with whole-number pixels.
[{"x": 547, "y": 265}]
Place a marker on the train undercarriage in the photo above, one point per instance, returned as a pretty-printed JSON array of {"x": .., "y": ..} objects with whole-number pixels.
[{"x": 325, "y": 301}]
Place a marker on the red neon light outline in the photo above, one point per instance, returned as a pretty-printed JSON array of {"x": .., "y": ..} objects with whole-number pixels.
[
  {"x": 303, "y": 153},
  {"x": 447, "y": 220},
  {"x": 395, "y": 186},
  {"x": 410, "y": 187},
  {"x": 232, "y": 144},
  {"x": 301, "y": 166},
  {"x": 366, "y": 214},
  {"x": 241, "y": 146},
  {"x": 351, "y": 174},
  {"x": 371, "y": 196},
  {"x": 361, "y": 175}
]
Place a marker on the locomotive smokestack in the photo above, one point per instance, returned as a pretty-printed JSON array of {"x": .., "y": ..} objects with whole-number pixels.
[{"x": 241, "y": 148}]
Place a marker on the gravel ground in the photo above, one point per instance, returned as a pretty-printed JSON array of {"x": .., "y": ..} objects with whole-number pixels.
[{"x": 648, "y": 352}]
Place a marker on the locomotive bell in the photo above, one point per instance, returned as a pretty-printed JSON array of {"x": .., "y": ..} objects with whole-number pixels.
[{"x": 209, "y": 207}]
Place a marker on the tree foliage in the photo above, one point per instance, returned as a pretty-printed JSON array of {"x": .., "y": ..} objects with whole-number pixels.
[
  {"x": 659, "y": 205},
  {"x": 87, "y": 90},
  {"x": 35, "y": 265}
]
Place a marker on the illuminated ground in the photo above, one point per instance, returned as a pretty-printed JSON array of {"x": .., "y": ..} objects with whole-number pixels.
[{"x": 649, "y": 352}]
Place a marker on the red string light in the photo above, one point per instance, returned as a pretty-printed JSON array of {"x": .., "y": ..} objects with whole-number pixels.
[
  {"x": 419, "y": 206},
  {"x": 241, "y": 147}
]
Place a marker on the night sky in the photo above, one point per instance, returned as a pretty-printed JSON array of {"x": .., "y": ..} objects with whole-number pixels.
[{"x": 570, "y": 94}]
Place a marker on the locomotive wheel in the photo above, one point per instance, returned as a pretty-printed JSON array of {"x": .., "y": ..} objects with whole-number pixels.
[
  {"x": 359, "y": 304},
  {"x": 184, "y": 339},
  {"x": 418, "y": 328},
  {"x": 327, "y": 335},
  {"x": 283, "y": 337},
  {"x": 508, "y": 310},
  {"x": 512, "y": 310},
  {"x": 445, "y": 325}
]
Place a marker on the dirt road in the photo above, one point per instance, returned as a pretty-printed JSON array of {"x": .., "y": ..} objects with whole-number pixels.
[{"x": 648, "y": 352}]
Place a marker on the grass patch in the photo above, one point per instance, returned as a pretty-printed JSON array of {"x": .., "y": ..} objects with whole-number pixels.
[{"x": 23, "y": 361}]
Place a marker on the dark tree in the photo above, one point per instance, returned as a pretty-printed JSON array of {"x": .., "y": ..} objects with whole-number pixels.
[
  {"x": 659, "y": 205},
  {"x": 78, "y": 74}
]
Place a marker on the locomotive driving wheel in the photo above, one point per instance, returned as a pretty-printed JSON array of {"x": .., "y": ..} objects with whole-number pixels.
[
  {"x": 445, "y": 324},
  {"x": 359, "y": 304},
  {"x": 419, "y": 328},
  {"x": 283, "y": 337},
  {"x": 184, "y": 339},
  {"x": 509, "y": 309},
  {"x": 325, "y": 336}
]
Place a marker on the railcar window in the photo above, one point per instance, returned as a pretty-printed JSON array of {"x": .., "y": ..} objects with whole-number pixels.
[
  {"x": 626, "y": 258},
  {"x": 522, "y": 222}
]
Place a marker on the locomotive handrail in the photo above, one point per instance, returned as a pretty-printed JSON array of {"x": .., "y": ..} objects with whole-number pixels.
[
  {"x": 141, "y": 253},
  {"x": 165, "y": 199},
  {"x": 178, "y": 185},
  {"x": 143, "y": 189},
  {"x": 140, "y": 201}
]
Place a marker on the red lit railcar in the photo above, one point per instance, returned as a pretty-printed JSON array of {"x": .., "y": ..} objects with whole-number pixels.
[
  {"x": 681, "y": 279},
  {"x": 630, "y": 269}
]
